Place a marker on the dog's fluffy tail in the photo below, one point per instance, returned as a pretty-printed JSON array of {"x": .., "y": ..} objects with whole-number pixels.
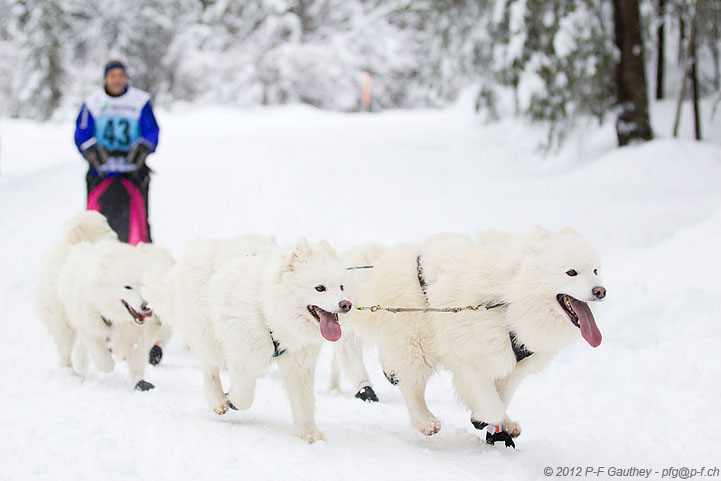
[{"x": 88, "y": 226}]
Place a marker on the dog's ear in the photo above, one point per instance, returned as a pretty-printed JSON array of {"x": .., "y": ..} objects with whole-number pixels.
[
  {"x": 301, "y": 253},
  {"x": 567, "y": 230},
  {"x": 536, "y": 241},
  {"x": 325, "y": 245},
  {"x": 539, "y": 232}
]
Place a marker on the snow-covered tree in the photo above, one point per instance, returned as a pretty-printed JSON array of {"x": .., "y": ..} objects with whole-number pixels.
[
  {"x": 38, "y": 71},
  {"x": 558, "y": 56}
]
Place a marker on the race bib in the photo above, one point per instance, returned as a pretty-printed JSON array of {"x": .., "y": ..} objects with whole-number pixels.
[{"x": 117, "y": 133}]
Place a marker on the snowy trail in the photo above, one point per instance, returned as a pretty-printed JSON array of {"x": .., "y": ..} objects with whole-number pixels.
[{"x": 646, "y": 397}]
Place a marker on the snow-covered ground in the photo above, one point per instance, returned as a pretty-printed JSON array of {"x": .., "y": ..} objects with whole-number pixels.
[{"x": 647, "y": 397}]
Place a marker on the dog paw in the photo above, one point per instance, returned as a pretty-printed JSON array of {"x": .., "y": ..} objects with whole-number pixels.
[
  {"x": 367, "y": 394},
  {"x": 500, "y": 436},
  {"x": 221, "y": 407},
  {"x": 430, "y": 427},
  {"x": 512, "y": 428},
  {"x": 311, "y": 437},
  {"x": 155, "y": 355},
  {"x": 144, "y": 386}
]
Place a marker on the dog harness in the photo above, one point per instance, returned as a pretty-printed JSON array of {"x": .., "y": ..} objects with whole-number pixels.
[
  {"x": 421, "y": 278},
  {"x": 519, "y": 350},
  {"x": 276, "y": 345}
]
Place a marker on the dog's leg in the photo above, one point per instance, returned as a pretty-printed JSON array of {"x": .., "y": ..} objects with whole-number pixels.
[
  {"x": 506, "y": 386},
  {"x": 161, "y": 338},
  {"x": 487, "y": 410},
  {"x": 214, "y": 390},
  {"x": 335, "y": 367},
  {"x": 63, "y": 335},
  {"x": 126, "y": 340},
  {"x": 410, "y": 372},
  {"x": 137, "y": 360},
  {"x": 80, "y": 358},
  {"x": 243, "y": 378},
  {"x": 298, "y": 370},
  {"x": 99, "y": 352},
  {"x": 348, "y": 353},
  {"x": 479, "y": 394},
  {"x": 64, "y": 342},
  {"x": 164, "y": 334},
  {"x": 413, "y": 387},
  {"x": 130, "y": 344}
]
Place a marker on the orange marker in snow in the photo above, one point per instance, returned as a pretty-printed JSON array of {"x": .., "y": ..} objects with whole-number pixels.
[{"x": 366, "y": 98}]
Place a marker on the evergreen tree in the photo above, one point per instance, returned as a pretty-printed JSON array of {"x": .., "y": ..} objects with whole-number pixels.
[
  {"x": 43, "y": 25},
  {"x": 557, "y": 55},
  {"x": 563, "y": 54}
]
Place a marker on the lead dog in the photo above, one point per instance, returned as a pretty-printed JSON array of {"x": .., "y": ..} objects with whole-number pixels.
[
  {"x": 530, "y": 292},
  {"x": 278, "y": 304}
]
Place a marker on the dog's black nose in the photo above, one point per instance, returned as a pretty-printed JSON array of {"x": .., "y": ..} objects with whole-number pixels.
[
  {"x": 599, "y": 292},
  {"x": 144, "y": 306},
  {"x": 345, "y": 305}
]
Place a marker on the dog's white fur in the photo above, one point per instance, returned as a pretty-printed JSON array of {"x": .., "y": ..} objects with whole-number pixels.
[
  {"x": 348, "y": 352},
  {"x": 82, "y": 280},
  {"x": 524, "y": 271},
  {"x": 227, "y": 310},
  {"x": 200, "y": 260},
  {"x": 89, "y": 226},
  {"x": 158, "y": 261}
]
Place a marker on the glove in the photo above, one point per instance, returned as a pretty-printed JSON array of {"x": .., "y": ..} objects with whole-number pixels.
[
  {"x": 137, "y": 153},
  {"x": 96, "y": 155}
]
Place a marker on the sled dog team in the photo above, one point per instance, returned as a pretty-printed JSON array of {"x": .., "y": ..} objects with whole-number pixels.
[{"x": 490, "y": 312}]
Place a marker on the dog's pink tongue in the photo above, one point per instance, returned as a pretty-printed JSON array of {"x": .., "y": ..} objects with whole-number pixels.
[
  {"x": 329, "y": 327},
  {"x": 589, "y": 329}
]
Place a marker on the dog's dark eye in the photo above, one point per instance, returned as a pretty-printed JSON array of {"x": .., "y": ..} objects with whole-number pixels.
[
  {"x": 572, "y": 272},
  {"x": 341, "y": 287},
  {"x": 595, "y": 271},
  {"x": 320, "y": 288},
  {"x": 128, "y": 287}
]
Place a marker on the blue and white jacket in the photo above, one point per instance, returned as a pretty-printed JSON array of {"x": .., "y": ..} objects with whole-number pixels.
[{"x": 117, "y": 123}]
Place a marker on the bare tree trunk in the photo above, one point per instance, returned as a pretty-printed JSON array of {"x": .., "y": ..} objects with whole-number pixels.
[
  {"x": 681, "y": 35},
  {"x": 686, "y": 66},
  {"x": 713, "y": 44},
  {"x": 50, "y": 92},
  {"x": 660, "y": 59},
  {"x": 633, "y": 121},
  {"x": 694, "y": 79},
  {"x": 301, "y": 10}
]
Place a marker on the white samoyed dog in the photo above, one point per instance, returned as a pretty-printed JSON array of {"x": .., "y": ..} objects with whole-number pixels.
[
  {"x": 88, "y": 294},
  {"x": 243, "y": 313},
  {"x": 201, "y": 259},
  {"x": 531, "y": 295}
]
